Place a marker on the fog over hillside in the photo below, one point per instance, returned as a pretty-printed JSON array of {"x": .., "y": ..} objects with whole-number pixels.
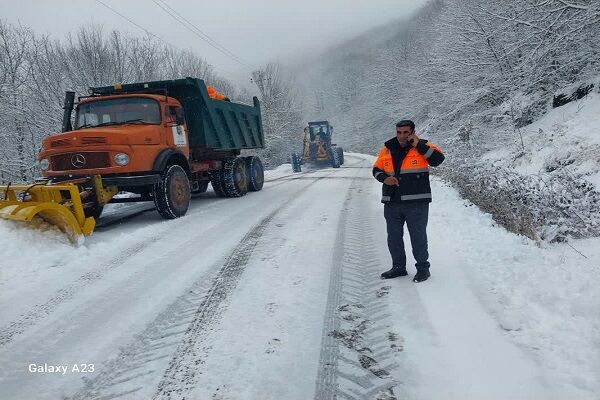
[{"x": 474, "y": 76}]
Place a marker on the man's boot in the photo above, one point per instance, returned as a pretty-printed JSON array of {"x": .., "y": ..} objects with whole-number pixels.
[
  {"x": 421, "y": 276},
  {"x": 394, "y": 273}
]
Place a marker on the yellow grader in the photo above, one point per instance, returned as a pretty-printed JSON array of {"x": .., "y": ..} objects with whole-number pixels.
[{"x": 317, "y": 148}]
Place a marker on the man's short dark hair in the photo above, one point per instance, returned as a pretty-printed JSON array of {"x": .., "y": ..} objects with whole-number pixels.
[{"x": 405, "y": 122}]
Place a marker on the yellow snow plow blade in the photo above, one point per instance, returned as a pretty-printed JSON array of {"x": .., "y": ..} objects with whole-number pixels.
[{"x": 59, "y": 205}]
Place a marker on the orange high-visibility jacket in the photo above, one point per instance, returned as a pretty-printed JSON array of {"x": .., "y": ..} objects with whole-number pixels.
[{"x": 410, "y": 165}]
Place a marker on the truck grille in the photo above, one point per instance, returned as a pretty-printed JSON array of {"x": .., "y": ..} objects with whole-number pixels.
[
  {"x": 83, "y": 160},
  {"x": 93, "y": 140},
  {"x": 60, "y": 143}
]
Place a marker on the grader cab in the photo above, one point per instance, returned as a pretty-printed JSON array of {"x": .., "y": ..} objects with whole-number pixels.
[{"x": 318, "y": 150}]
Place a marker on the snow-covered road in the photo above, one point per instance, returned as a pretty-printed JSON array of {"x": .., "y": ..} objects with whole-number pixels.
[{"x": 277, "y": 295}]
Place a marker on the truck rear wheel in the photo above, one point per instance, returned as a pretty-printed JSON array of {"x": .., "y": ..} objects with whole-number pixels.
[
  {"x": 234, "y": 177},
  {"x": 172, "y": 194},
  {"x": 216, "y": 180},
  {"x": 256, "y": 173}
]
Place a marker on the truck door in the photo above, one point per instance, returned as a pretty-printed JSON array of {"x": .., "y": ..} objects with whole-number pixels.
[{"x": 178, "y": 129}]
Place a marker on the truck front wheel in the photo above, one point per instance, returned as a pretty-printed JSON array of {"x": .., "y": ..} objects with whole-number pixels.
[{"x": 172, "y": 194}]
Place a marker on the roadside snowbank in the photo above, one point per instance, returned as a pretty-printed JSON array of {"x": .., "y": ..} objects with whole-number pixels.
[{"x": 545, "y": 298}]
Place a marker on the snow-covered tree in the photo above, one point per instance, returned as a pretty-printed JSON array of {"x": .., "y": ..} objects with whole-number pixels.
[{"x": 281, "y": 112}]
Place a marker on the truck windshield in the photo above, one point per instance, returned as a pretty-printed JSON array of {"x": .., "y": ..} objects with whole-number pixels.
[{"x": 117, "y": 111}]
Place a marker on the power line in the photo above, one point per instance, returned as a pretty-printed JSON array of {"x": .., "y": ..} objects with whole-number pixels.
[
  {"x": 198, "y": 32},
  {"x": 147, "y": 31},
  {"x": 132, "y": 22},
  {"x": 201, "y": 34}
]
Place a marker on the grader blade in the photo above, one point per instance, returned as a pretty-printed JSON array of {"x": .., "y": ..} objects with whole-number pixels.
[{"x": 59, "y": 205}]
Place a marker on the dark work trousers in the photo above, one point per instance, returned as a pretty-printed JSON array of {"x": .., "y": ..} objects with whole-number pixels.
[{"x": 415, "y": 215}]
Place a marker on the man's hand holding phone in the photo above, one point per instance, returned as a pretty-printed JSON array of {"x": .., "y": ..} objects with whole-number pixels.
[
  {"x": 391, "y": 181},
  {"x": 413, "y": 140}
]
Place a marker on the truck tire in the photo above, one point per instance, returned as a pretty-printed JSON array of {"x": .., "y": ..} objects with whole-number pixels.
[
  {"x": 234, "y": 177},
  {"x": 172, "y": 194},
  {"x": 256, "y": 173},
  {"x": 295, "y": 161},
  {"x": 335, "y": 157},
  {"x": 216, "y": 180},
  {"x": 341, "y": 155}
]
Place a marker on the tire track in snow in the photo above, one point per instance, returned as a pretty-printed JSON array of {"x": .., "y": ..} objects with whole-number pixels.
[
  {"x": 40, "y": 311},
  {"x": 180, "y": 374},
  {"x": 43, "y": 310},
  {"x": 358, "y": 350},
  {"x": 177, "y": 331},
  {"x": 303, "y": 174}
]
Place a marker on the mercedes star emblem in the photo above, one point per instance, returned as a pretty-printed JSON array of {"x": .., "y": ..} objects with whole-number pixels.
[{"x": 78, "y": 160}]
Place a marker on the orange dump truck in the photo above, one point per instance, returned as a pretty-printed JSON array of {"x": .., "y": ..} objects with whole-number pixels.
[{"x": 161, "y": 141}]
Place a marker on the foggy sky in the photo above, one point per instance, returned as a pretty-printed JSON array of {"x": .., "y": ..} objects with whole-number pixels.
[{"x": 256, "y": 31}]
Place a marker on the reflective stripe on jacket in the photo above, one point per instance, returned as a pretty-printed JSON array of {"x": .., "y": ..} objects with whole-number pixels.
[{"x": 413, "y": 174}]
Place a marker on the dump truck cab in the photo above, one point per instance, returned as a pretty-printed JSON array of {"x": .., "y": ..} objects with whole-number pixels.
[
  {"x": 318, "y": 149},
  {"x": 122, "y": 134}
]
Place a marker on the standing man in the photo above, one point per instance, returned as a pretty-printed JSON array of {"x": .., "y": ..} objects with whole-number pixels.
[{"x": 403, "y": 168}]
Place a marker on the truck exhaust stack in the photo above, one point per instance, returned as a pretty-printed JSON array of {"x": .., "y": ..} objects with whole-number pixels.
[{"x": 68, "y": 107}]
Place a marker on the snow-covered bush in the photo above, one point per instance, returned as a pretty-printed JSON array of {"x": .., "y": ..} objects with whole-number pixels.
[{"x": 550, "y": 207}]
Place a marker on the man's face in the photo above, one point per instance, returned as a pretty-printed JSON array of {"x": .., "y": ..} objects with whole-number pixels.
[{"x": 402, "y": 133}]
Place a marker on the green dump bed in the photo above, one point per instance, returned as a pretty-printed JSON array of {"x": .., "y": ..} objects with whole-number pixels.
[{"x": 213, "y": 124}]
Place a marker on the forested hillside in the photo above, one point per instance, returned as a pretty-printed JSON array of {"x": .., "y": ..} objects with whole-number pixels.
[{"x": 475, "y": 75}]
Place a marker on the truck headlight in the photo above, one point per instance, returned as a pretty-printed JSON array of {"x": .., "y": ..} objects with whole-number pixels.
[
  {"x": 44, "y": 164},
  {"x": 121, "y": 159}
]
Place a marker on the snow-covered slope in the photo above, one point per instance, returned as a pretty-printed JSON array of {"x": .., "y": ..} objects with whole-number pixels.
[
  {"x": 277, "y": 296},
  {"x": 566, "y": 140}
]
